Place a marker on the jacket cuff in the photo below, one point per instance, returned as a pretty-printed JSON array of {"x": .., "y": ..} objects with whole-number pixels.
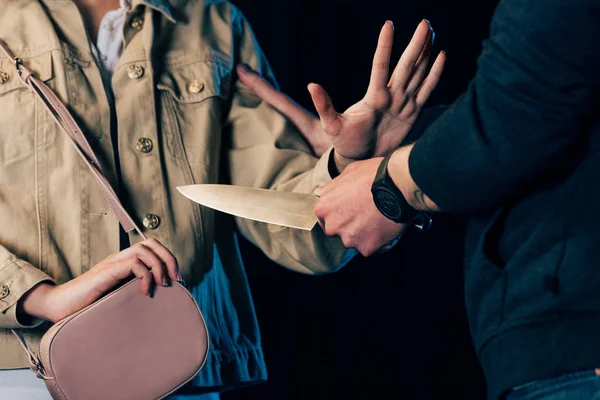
[
  {"x": 17, "y": 277},
  {"x": 322, "y": 174}
]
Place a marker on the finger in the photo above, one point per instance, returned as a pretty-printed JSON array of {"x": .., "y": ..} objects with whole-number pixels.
[
  {"x": 406, "y": 64},
  {"x": 330, "y": 119},
  {"x": 421, "y": 66},
  {"x": 160, "y": 275},
  {"x": 141, "y": 272},
  {"x": 319, "y": 191},
  {"x": 321, "y": 210},
  {"x": 367, "y": 251},
  {"x": 153, "y": 262},
  {"x": 385, "y": 248},
  {"x": 425, "y": 54},
  {"x": 303, "y": 120},
  {"x": 166, "y": 256},
  {"x": 432, "y": 80},
  {"x": 349, "y": 242},
  {"x": 366, "y": 247},
  {"x": 380, "y": 71},
  {"x": 325, "y": 189},
  {"x": 321, "y": 222}
]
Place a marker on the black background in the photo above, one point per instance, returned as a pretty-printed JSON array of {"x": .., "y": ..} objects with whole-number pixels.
[{"x": 394, "y": 323}]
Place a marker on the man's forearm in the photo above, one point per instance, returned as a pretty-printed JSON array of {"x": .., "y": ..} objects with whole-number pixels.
[
  {"x": 523, "y": 114},
  {"x": 399, "y": 171}
]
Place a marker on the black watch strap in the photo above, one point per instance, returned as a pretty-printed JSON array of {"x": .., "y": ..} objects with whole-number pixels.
[
  {"x": 388, "y": 198},
  {"x": 405, "y": 213},
  {"x": 383, "y": 176}
]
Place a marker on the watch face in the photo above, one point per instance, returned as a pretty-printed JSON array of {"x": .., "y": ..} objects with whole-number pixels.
[{"x": 387, "y": 204}]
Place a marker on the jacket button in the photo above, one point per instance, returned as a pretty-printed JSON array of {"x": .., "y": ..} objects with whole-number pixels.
[
  {"x": 135, "y": 71},
  {"x": 4, "y": 77},
  {"x": 151, "y": 221},
  {"x": 195, "y": 86},
  {"x": 137, "y": 23},
  {"x": 4, "y": 291},
  {"x": 144, "y": 145}
]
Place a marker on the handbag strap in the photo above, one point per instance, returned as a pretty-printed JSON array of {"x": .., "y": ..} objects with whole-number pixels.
[
  {"x": 69, "y": 126},
  {"x": 34, "y": 362}
]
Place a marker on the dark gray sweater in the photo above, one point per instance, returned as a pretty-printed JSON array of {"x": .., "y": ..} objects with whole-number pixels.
[{"x": 520, "y": 152}]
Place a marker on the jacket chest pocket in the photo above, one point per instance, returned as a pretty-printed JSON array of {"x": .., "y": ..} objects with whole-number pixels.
[
  {"x": 193, "y": 98},
  {"x": 19, "y": 124}
]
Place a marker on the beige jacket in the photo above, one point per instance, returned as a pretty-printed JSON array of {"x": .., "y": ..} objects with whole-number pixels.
[{"x": 182, "y": 117}]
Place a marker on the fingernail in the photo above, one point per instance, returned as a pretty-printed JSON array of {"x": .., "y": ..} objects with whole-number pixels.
[
  {"x": 443, "y": 51},
  {"x": 179, "y": 277},
  {"x": 318, "y": 191},
  {"x": 428, "y": 24},
  {"x": 165, "y": 282},
  {"x": 390, "y": 22}
]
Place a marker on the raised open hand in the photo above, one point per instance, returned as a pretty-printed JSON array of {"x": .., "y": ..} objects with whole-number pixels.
[{"x": 381, "y": 120}]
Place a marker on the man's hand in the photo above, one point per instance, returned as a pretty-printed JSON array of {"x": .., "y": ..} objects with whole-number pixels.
[
  {"x": 381, "y": 120},
  {"x": 346, "y": 209}
]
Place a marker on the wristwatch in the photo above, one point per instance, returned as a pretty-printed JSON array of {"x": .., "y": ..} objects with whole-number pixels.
[{"x": 391, "y": 202}]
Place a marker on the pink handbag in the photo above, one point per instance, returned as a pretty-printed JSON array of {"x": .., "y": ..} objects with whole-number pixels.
[{"x": 125, "y": 346}]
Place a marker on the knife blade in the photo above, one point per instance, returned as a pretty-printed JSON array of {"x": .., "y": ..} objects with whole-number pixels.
[{"x": 295, "y": 210}]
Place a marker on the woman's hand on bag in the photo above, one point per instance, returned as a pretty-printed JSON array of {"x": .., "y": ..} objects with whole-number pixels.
[
  {"x": 149, "y": 261},
  {"x": 379, "y": 122}
]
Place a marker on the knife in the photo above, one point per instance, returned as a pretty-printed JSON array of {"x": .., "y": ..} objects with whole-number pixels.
[{"x": 294, "y": 210}]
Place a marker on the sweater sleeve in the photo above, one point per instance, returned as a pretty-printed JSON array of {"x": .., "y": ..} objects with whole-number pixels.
[
  {"x": 427, "y": 117},
  {"x": 533, "y": 96}
]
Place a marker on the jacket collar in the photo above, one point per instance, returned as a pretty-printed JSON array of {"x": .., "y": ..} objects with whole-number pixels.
[{"x": 165, "y": 7}]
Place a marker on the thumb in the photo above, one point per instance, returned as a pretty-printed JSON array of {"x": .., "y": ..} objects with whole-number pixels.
[
  {"x": 330, "y": 119},
  {"x": 319, "y": 191}
]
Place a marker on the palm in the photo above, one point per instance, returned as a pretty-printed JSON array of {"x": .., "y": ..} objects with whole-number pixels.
[{"x": 370, "y": 129}]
